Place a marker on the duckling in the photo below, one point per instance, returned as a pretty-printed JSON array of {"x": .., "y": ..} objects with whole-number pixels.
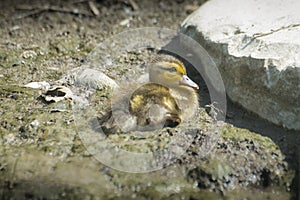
[{"x": 168, "y": 99}]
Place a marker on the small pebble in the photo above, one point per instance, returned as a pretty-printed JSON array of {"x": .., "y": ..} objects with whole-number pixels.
[
  {"x": 29, "y": 54},
  {"x": 34, "y": 124},
  {"x": 125, "y": 22}
]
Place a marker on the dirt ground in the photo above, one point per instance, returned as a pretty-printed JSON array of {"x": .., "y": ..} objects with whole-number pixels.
[{"x": 43, "y": 40}]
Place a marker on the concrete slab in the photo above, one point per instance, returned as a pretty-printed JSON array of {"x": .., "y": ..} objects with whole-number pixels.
[{"x": 256, "y": 46}]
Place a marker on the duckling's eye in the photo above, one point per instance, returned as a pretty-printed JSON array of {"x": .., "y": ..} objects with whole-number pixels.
[{"x": 171, "y": 69}]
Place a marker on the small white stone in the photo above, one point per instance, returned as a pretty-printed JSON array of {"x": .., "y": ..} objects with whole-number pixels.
[
  {"x": 125, "y": 22},
  {"x": 34, "y": 124},
  {"x": 38, "y": 85},
  {"x": 14, "y": 28},
  {"x": 29, "y": 54}
]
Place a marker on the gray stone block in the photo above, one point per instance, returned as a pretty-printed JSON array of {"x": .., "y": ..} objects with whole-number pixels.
[{"x": 256, "y": 46}]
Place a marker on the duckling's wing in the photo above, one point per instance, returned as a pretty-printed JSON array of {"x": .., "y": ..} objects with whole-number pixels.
[
  {"x": 153, "y": 105},
  {"x": 148, "y": 94},
  {"x": 117, "y": 118},
  {"x": 117, "y": 122}
]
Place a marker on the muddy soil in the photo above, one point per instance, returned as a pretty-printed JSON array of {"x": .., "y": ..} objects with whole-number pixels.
[{"x": 42, "y": 41}]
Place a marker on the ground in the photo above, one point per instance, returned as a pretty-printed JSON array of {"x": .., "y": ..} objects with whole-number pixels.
[{"x": 44, "y": 40}]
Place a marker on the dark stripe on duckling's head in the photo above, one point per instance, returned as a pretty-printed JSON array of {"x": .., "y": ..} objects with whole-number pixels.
[
  {"x": 173, "y": 66},
  {"x": 167, "y": 62}
]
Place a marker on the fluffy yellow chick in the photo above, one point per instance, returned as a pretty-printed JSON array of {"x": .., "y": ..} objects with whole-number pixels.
[{"x": 168, "y": 99}]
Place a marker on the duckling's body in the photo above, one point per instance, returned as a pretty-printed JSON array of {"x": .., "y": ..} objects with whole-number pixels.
[
  {"x": 187, "y": 101},
  {"x": 153, "y": 105},
  {"x": 167, "y": 100}
]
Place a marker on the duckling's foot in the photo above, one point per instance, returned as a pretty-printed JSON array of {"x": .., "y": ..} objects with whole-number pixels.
[
  {"x": 169, "y": 120},
  {"x": 172, "y": 120}
]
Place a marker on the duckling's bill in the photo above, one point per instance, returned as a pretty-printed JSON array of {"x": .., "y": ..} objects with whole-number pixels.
[{"x": 188, "y": 82}]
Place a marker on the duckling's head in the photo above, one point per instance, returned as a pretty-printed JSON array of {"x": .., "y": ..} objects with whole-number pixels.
[{"x": 170, "y": 72}]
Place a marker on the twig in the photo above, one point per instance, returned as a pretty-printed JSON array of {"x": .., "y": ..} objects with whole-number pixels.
[
  {"x": 80, "y": 1},
  {"x": 93, "y": 8},
  {"x": 133, "y": 5},
  {"x": 38, "y": 10},
  {"x": 13, "y": 173},
  {"x": 214, "y": 111},
  {"x": 30, "y": 14}
]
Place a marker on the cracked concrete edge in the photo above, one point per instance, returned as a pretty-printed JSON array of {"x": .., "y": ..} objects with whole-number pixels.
[{"x": 274, "y": 67}]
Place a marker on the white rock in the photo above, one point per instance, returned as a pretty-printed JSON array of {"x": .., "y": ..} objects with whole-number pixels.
[
  {"x": 256, "y": 46},
  {"x": 88, "y": 78},
  {"x": 58, "y": 93},
  {"x": 95, "y": 79},
  {"x": 38, "y": 85}
]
